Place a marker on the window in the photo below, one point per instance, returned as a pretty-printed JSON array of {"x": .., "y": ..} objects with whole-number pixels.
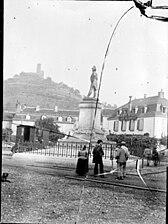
[
  {"x": 68, "y": 119},
  {"x": 164, "y": 110},
  {"x": 39, "y": 132},
  {"x": 125, "y": 112},
  {"x": 133, "y": 111},
  {"x": 43, "y": 117},
  {"x": 140, "y": 124},
  {"x": 116, "y": 124},
  {"x": 22, "y": 131},
  {"x": 132, "y": 125},
  {"x": 27, "y": 117},
  {"x": 143, "y": 110},
  {"x": 123, "y": 125},
  {"x": 60, "y": 118}
]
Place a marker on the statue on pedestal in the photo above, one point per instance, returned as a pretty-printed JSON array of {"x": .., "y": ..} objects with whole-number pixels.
[{"x": 93, "y": 85}]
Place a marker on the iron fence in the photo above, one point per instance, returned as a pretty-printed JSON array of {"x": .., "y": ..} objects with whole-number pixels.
[{"x": 68, "y": 149}]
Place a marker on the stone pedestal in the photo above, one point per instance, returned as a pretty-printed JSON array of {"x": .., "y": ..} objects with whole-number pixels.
[{"x": 86, "y": 117}]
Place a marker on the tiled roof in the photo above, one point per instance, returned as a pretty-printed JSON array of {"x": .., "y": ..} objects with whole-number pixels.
[
  {"x": 151, "y": 103},
  {"x": 48, "y": 112},
  {"x": 73, "y": 113},
  {"x": 29, "y": 110},
  {"x": 147, "y": 101},
  {"x": 10, "y": 109},
  {"x": 8, "y": 116},
  {"x": 36, "y": 116}
]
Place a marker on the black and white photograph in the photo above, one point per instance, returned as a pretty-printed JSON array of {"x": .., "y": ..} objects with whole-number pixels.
[{"x": 85, "y": 112}]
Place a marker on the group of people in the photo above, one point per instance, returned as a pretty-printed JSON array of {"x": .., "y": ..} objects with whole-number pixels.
[
  {"x": 122, "y": 155},
  {"x": 98, "y": 153},
  {"x": 150, "y": 153},
  {"x": 83, "y": 156}
]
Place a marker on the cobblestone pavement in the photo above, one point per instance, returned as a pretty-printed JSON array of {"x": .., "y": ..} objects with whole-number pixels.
[{"x": 37, "y": 195}]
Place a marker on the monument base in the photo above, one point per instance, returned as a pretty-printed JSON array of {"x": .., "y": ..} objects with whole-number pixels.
[
  {"x": 88, "y": 118},
  {"x": 87, "y": 135}
]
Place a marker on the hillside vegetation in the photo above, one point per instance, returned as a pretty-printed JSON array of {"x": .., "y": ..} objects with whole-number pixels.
[{"x": 33, "y": 90}]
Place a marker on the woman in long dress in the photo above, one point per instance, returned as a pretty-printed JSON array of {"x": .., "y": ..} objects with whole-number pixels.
[{"x": 82, "y": 163}]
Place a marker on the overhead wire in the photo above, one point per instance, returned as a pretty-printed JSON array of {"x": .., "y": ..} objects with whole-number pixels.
[
  {"x": 97, "y": 99},
  {"x": 101, "y": 75}
]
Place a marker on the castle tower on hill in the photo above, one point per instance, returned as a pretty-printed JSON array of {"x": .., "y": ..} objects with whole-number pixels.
[{"x": 39, "y": 71}]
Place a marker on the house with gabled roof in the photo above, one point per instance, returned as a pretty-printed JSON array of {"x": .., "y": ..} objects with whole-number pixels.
[
  {"x": 25, "y": 115},
  {"x": 140, "y": 116},
  {"x": 67, "y": 120}
]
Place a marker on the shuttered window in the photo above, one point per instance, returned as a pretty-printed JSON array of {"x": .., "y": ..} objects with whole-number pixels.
[
  {"x": 140, "y": 124},
  {"x": 132, "y": 125},
  {"x": 116, "y": 125},
  {"x": 22, "y": 131},
  {"x": 123, "y": 125}
]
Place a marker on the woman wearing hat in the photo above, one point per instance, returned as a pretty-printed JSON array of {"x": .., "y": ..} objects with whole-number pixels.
[{"x": 82, "y": 163}]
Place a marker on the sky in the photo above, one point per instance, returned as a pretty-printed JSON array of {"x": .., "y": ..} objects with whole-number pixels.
[{"x": 68, "y": 37}]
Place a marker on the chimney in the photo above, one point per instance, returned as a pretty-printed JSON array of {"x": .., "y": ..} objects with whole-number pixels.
[
  {"x": 161, "y": 94},
  {"x": 18, "y": 107},
  {"x": 145, "y": 108},
  {"x": 38, "y": 68},
  {"x": 130, "y": 104},
  {"x": 144, "y": 95},
  {"x": 136, "y": 109},
  {"x": 37, "y": 108},
  {"x": 56, "y": 109}
]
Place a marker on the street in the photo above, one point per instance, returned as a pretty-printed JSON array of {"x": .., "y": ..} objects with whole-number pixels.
[{"x": 36, "y": 194}]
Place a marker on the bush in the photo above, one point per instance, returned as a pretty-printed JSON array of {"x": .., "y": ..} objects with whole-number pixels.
[
  {"x": 135, "y": 143},
  {"x": 6, "y": 134},
  {"x": 163, "y": 140}
]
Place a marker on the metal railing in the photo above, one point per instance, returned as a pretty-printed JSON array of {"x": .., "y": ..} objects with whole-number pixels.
[{"x": 68, "y": 149}]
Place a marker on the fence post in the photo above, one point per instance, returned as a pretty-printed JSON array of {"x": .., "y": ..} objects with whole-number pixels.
[
  {"x": 142, "y": 162},
  {"x": 105, "y": 150},
  {"x": 111, "y": 156},
  {"x": 58, "y": 148},
  {"x": 76, "y": 150},
  {"x": 166, "y": 194},
  {"x": 62, "y": 149},
  {"x": 67, "y": 150},
  {"x": 54, "y": 150},
  {"x": 71, "y": 149}
]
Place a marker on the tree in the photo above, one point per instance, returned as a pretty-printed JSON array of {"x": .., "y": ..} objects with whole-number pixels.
[
  {"x": 48, "y": 123},
  {"x": 6, "y": 134},
  {"x": 163, "y": 140}
]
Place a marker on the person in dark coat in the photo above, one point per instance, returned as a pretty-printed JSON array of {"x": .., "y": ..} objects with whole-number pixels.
[
  {"x": 97, "y": 158},
  {"x": 155, "y": 156},
  {"x": 82, "y": 163}
]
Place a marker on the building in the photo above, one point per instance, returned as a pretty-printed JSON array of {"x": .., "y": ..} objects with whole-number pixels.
[
  {"x": 67, "y": 120},
  {"x": 39, "y": 74},
  {"x": 140, "y": 116},
  {"x": 26, "y": 133},
  {"x": 8, "y": 119}
]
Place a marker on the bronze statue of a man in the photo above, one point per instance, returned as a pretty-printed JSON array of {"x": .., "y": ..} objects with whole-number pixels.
[{"x": 93, "y": 85}]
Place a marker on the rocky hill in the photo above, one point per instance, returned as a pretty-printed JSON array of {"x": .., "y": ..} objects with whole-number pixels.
[{"x": 32, "y": 90}]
